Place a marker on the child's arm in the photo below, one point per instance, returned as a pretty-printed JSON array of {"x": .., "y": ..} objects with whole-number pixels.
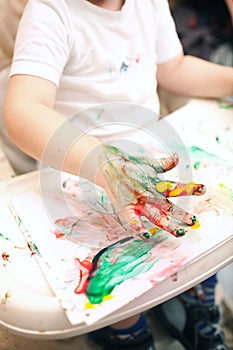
[
  {"x": 32, "y": 123},
  {"x": 131, "y": 182},
  {"x": 230, "y": 8},
  {"x": 191, "y": 76}
]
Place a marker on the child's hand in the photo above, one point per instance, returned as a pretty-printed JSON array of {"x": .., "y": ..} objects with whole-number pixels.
[{"x": 135, "y": 190}]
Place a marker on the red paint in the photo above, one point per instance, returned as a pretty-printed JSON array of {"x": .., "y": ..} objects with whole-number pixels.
[
  {"x": 85, "y": 267},
  {"x": 5, "y": 256},
  {"x": 58, "y": 234}
]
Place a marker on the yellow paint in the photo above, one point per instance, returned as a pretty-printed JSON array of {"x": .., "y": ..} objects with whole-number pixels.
[
  {"x": 108, "y": 297},
  {"x": 134, "y": 222},
  {"x": 163, "y": 186},
  {"x": 89, "y": 305},
  {"x": 188, "y": 188},
  {"x": 196, "y": 225},
  {"x": 6, "y": 297},
  {"x": 153, "y": 230}
]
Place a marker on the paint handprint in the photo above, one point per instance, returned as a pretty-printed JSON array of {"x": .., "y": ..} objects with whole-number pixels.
[{"x": 135, "y": 190}]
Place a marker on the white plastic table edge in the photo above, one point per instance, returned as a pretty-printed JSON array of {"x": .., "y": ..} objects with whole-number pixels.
[{"x": 200, "y": 269}]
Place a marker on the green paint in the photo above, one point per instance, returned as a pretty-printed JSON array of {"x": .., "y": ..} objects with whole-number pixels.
[
  {"x": 4, "y": 237},
  {"x": 228, "y": 192},
  {"x": 147, "y": 235},
  {"x": 225, "y": 105},
  {"x": 194, "y": 220},
  {"x": 141, "y": 179},
  {"x": 19, "y": 221},
  {"x": 138, "y": 160},
  {"x": 113, "y": 150},
  {"x": 217, "y": 139},
  {"x": 33, "y": 248},
  {"x": 134, "y": 159},
  {"x": 146, "y": 161},
  {"x": 196, "y": 165},
  {"x": 180, "y": 232},
  {"x": 103, "y": 197},
  {"x": 118, "y": 264},
  {"x": 141, "y": 150},
  {"x": 99, "y": 114},
  {"x": 146, "y": 181},
  {"x": 202, "y": 155}
]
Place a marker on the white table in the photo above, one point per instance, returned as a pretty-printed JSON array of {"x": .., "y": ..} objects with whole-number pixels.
[{"x": 29, "y": 308}]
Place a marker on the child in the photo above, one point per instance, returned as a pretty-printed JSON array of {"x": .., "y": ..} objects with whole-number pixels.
[{"x": 74, "y": 54}]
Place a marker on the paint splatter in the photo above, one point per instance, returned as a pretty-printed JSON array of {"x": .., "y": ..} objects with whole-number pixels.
[
  {"x": 33, "y": 248},
  {"x": 174, "y": 189},
  {"x": 6, "y": 297},
  {"x": 137, "y": 59},
  {"x": 5, "y": 256},
  {"x": 225, "y": 105},
  {"x": 196, "y": 225},
  {"x": 217, "y": 139},
  {"x": 118, "y": 264},
  {"x": 227, "y": 190},
  {"x": 124, "y": 67},
  {"x": 203, "y": 155},
  {"x": 4, "y": 237},
  {"x": 128, "y": 62},
  {"x": 99, "y": 114},
  {"x": 197, "y": 165}
]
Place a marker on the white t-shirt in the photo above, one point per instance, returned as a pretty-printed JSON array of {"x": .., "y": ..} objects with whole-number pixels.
[{"x": 96, "y": 56}]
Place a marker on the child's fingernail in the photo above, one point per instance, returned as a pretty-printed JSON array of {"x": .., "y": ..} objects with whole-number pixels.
[
  {"x": 199, "y": 189},
  {"x": 147, "y": 235},
  {"x": 180, "y": 232},
  {"x": 194, "y": 220}
]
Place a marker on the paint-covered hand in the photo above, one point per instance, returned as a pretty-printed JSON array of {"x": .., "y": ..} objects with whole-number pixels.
[{"x": 135, "y": 190}]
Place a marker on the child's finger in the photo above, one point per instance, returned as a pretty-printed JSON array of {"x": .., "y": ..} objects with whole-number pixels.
[
  {"x": 161, "y": 220},
  {"x": 176, "y": 189},
  {"x": 167, "y": 163},
  {"x": 161, "y": 165},
  {"x": 133, "y": 219},
  {"x": 170, "y": 209}
]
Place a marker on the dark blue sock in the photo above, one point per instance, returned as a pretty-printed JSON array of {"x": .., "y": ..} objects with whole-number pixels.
[{"x": 209, "y": 286}]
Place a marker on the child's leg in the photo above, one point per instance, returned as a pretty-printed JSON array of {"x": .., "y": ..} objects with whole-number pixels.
[
  {"x": 132, "y": 333},
  {"x": 193, "y": 317},
  {"x": 209, "y": 288},
  {"x": 127, "y": 323}
]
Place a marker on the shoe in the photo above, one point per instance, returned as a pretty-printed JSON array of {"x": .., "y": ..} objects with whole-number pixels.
[
  {"x": 193, "y": 324},
  {"x": 109, "y": 341},
  {"x": 212, "y": 340}
]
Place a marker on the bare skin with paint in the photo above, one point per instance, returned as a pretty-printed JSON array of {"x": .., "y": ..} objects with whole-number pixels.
[{"x": 136, "y": 190}]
